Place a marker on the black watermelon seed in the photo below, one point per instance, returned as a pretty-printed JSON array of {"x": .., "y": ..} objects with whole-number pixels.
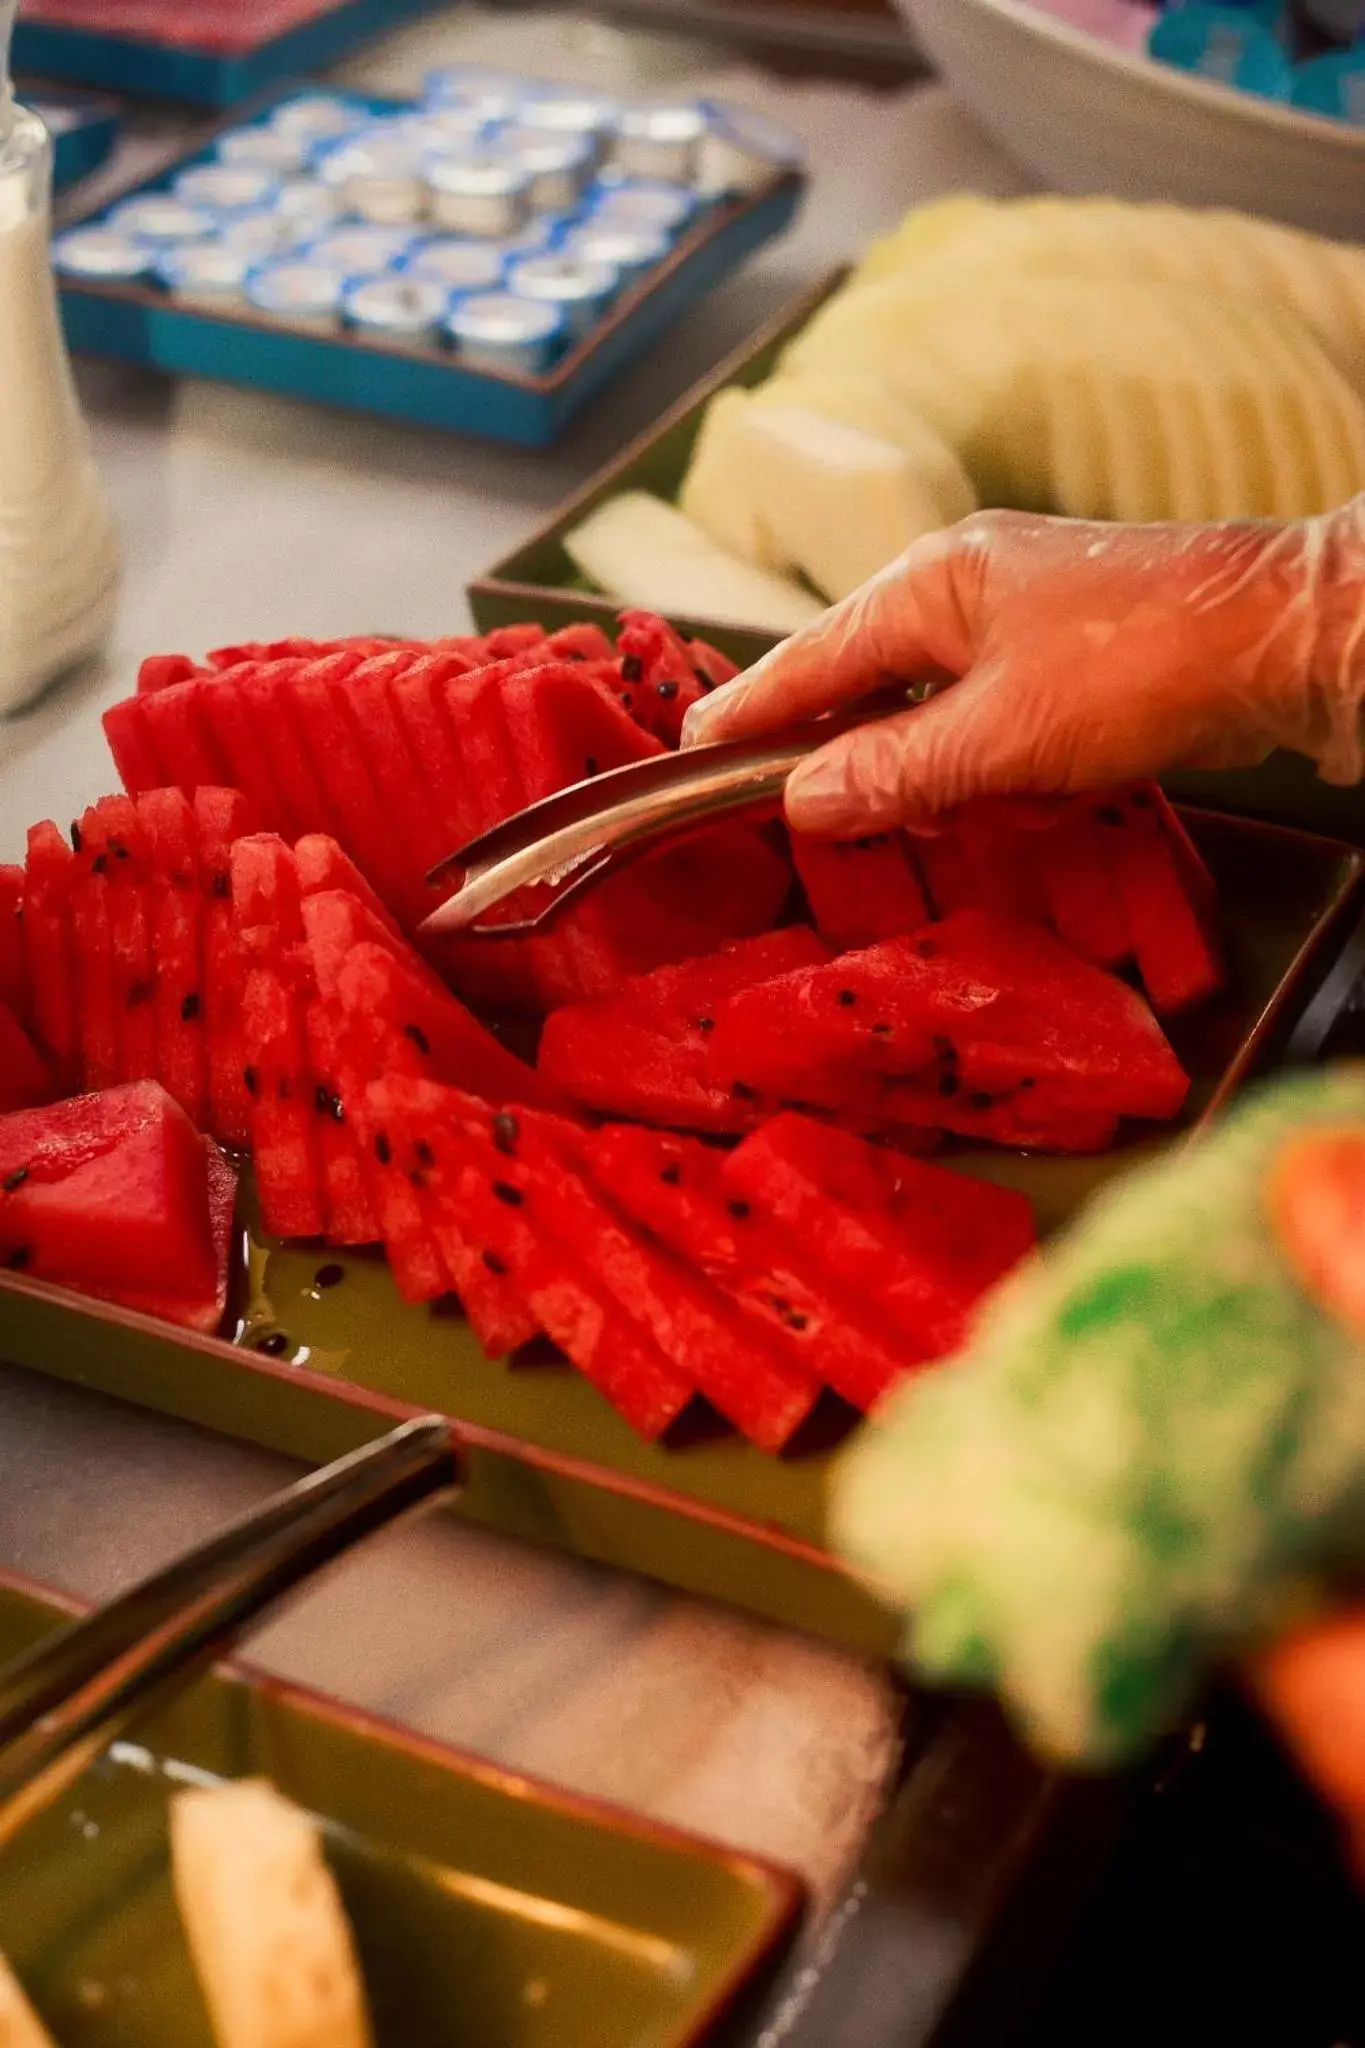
[
  {"x": 671, "y": 1175},
  {"x": 505, "y": 1192},
  {"x": 846, "y": 998},
  {"x": 76, "y": 841},
  {"x": 140, "y": 992},
  {"x": 668, "y": 691},
  {"x": 626, "y": 699},
  {"x": 743, "y": 1092},
  {"x": 98, "y": 864},
  {"x": 632, "y": 668},
  {"x": 738, "y": 1208},
  {"x": 796, "y": 1321},
  {"x": 190, "y": 1008},
  {"x": 418, "y": 1037},
  {"x": 505, "y": 1131},
  {"x": 944, "y": 1047},
  {"x": 1026, "y": 1082},
  {"x": 417, "y": 1177},
  {"x": 284, "y": 1088},
  {"x": 18, "y": 1258},
  {"x": 222, "y": 885},
  {"x": 274, "y": 1344},
  {"x": 978, "y": 1100},
  {"x": 14, "y": 1180},
  {"x": 322, "y": 1100},
  {"x": 1109, "y": 814},
  {"x": 383, "y": 1150},
  {"x": 329, "y": 1276},
  {"x": 573, "y": 654},
  {"x": 424, "y": 1152},
  {"x": 705, "y": 1024},
  {"x": 881, "y": 1030},
  {"x": 118, "y": 849},
  {"x": 706, "y": 682},
  {"x": 251, "y": 1080},
  {"x": 948, "y": 1084},
  {"x": 494, "y": 1263},
  {"x": 590, "y": 765}
]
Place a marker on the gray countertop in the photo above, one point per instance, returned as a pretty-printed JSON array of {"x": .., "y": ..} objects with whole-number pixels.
[{"x": 251, "y": 516}]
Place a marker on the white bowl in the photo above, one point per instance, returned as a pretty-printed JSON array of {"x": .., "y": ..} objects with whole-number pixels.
[{"x": 1087, "y": 117}]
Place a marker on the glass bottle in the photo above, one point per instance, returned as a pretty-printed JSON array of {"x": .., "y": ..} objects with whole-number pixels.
[{"x": 59, "y": 558}]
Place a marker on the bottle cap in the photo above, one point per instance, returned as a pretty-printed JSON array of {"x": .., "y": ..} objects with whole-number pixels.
[
  {"x": 480, "y": 191},
  {"x": 559, "y": 164},
  {"x": 377, "y": 174},
  {"x": 318, "y": 117},
  {"x": 307, "y": 204},
  {"x": 262, "y": 234},
  {"x": 103, "y": 253},
  {"x": 571, "y": 109}
]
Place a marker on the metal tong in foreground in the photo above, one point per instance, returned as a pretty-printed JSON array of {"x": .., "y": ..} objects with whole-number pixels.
[
  {"x": 69, "y": 1698},
  {"x": 571, "y": 840}
]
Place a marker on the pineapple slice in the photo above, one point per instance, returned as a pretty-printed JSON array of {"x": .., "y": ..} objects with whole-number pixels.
[
  {"x": 20, "y": 2026},
  {"x": 265, "y": 1923},
  {"x": 644, "y": 552}
]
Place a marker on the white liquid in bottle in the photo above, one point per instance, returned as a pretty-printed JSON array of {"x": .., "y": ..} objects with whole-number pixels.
[{"x": 59, "y": 560}]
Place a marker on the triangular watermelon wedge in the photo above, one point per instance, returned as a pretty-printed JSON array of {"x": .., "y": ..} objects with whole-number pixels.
[
  {"x": 660, "y": 678},
  {"x": 1176, "y": 957},
  {"x": 673, "y": 1186},
  {"x": 860, "y": 890},
  {"x": 203, "y": 1312}
]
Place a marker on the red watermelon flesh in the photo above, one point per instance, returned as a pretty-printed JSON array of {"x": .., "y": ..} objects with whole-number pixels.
[
  {"x": 418, "y": 699},
  {"x": 1038, "y": 1120},
  {"x": 92, "y": 929},
  {"x": 645, "y": 1050},
  {"x": 504, "y": 642},
  {"x": 25, "y": 1077},
  {"x": 268, "y": 707},
  {"x": 266, "y": 903},
  {"x": 1083, "y": 905},
  {"x": 223, "y": 816},
  {"x": 279, "y": 1081},
  {"x": 364, "y": 1050},
  {"x": 14, "y": 974},
  {"x": 1176, "y": 958},
  {"x": 245, "y": 745},
  {"x": 674, "y": 1187},
  {"x": 49, "y": 947},
  {"x": 982, "y": 1001},
  {"x": 319, "y": 700},
  {"x": 580, "y": 642},
  {"x": 323, "y": 867},
  {"x": 659, "y": 678},
  {"x": 173, "y": 730},
  {"x": 203, "y": 1312},
  {"x": 712, "y": 668},
  {"x": 132, "y": 744},
  {"x": 436, "y": 1154},
  {"x": 749, "y": 1381},
  {"x": 921, "y": 1242},
  {"x": 349, "y": 1210},
  {"x": 860, "y": 890},
  {"x": 400, "y": 778},
  {"x": 693, "y": 895},
  {"x": 114, "y": 843},
  {"x": 160, "y": 671},
  {"x": 176, "y": 913},
  {"x": 108, "y": 1190}
]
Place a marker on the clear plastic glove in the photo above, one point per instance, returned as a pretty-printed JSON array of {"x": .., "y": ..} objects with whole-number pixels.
[{"x": 1069, "y": 655}]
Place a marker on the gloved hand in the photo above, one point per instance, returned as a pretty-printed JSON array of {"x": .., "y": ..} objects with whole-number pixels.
[{"x": 1077, "y": 654}]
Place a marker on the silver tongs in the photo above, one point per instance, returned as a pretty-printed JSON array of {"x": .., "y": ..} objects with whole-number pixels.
[
  {"x": 68, "y": 1699},
  {"x": 569, "y": 841}
]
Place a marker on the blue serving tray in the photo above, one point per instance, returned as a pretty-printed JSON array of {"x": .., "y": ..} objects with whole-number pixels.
[
  {"x": 164, "y": 71},
  {"x": 82, "y": 142},
  {"x": 136, "y": 324}
]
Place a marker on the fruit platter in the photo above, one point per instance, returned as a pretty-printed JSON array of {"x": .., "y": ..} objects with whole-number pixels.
[{"x": 654, "y": 1199}]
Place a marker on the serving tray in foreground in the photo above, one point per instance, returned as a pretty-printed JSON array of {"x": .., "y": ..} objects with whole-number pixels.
[
  {"x": 326, "y": 1355},
  {"x": 485, "y": 1905}
]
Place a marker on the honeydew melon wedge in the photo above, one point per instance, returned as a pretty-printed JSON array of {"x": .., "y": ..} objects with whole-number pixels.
[{"x": 644, "y": 552}]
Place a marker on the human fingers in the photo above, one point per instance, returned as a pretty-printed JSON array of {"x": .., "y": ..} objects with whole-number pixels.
[
  {"x": 908, "y": 621},
  {"x": 1315, "y": 1194},
  {"x": 1311, "y": 1683}
]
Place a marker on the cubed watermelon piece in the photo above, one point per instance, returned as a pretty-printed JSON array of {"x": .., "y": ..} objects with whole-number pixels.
[
  {"x": 14, "y": 973},
  {"x": 976, "y": 1004},
  {"x": 860, "y": 890},
  {"x": 223, "y": 816},
  {"x": 50, "y": 948},
  {"x": 349, "y": 1211},
  {"x": 108, "y": 1190},
  {"x": 203, "y": 1312},
  {"x": 660, "y": 680},
  {"x": 673, "y": 1186},
  {"x": 278, "y": 1076},
  {"x": 920, "y": 1242},
  {"x": 1176, "y": 956},
  {"x": 750, "y": 1382},
  {"x": 177, "y": 912},
  {"x": 645, "y": 1050},
  {"x": 25, "y": 1076}
]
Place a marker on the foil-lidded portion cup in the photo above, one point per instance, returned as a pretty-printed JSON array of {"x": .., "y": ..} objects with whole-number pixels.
[
  {"x": 660, "y": 139},
  {"x": 500, "y": 332},
  {"x": 580, "y": 290},
  {"x": 298, "y": 291},
  {"x": 407, "y": 311},
  {"x": 480, "y": 191}
]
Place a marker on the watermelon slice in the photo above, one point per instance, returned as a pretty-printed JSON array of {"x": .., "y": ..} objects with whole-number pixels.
[
  {"x": 267, "y": 706},
  {"x": 711, "y": 668},
  {"x": 160, "y": 671},
  {"x": 317, "y": 700},
  {"x": 436, "y": 1153},
  {"x": 1041, "y": 1119},
  {"x": 660, "y": 680},
  {"x": 976, "y": 1005},
  {"x": 176, "y": 913},
  {"x": 349, "y": 1211},
  {"x": 1083, "y": 905},
  {"x": 279, "y": 1080},
  {"x": 920, "y": 1242},
  {"x": 645, "y": 1050},
  {"x": 673, "y": 1186},
  {"x": 49, "y": 947},
  {"x": 96, "y": 999},
  {"x": 1175, "y": 955},
  {"x": 400, "y": 776},
  {"x": 580, "y": 642},
  {"x": 223, "y": 816},
  {"x": 753, "y": 1384},
  {"x": 108, "y": 1190},
  {"x": 115, "y": 845},
  {"x": 25, "y": 1077},
  {"x": 322, "y": 866},
  {"x": 204, "y": 1312},
  {"x": 860, "y": 890},
  {"x": 14, "y": 974},
  {"x": 245, "y": 745}
]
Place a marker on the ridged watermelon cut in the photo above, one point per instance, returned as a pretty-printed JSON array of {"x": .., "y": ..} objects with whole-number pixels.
[
  {"x": 25, "y": 1076},
  {"x": 15, "y": 991}
]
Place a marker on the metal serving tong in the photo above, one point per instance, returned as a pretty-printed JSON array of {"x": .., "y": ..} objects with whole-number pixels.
[
  {"x": 571, "y": 840},
  {"x": 69, "y": 1698}
]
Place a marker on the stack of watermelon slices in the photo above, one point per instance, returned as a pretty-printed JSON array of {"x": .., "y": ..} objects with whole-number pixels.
[{"x": 979, "y": 1024}]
